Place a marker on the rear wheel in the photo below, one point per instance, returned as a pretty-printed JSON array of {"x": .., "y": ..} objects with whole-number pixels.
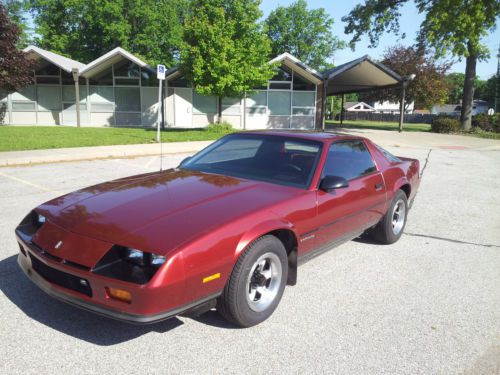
[
  {"x": 391, "y": 227},
  {"x": 257, "y": 282}
]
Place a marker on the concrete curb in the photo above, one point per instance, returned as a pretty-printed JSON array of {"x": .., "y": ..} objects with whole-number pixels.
[{"x": 20, "y": 158}]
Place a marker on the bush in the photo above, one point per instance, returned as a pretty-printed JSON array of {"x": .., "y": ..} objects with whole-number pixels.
[
  {"x": 223, "y": 127},
  {"x": 486, "y": 122},
  {"x": 445, "y": 125}
]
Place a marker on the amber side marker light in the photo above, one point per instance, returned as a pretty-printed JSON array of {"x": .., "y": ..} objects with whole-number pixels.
[
  {"x": 211, "y": 277},
  {"x": 119, "y": 294}
]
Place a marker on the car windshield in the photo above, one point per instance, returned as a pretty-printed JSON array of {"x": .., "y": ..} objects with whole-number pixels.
[{"x": 276, "y": 159}]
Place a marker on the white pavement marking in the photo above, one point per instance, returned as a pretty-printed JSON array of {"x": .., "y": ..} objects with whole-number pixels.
[{"x": 17, "y": 179}]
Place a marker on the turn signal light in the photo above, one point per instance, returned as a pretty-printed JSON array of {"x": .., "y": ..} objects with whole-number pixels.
[{"x": 119, "y": 294}]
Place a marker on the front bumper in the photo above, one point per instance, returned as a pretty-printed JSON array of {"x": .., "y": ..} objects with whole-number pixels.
[{"x": 84, "y": 302}]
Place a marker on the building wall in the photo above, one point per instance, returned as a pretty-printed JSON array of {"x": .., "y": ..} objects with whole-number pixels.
[
  {"x": 287, "y": 101},
  {"x": 126, "y": 95}
]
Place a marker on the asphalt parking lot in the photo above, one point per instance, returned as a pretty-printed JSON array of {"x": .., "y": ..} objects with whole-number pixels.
[{"x": 427, "y": 304}]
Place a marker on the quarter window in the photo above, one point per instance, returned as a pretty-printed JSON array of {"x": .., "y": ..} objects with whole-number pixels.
[{"x": 349, "y": 159}]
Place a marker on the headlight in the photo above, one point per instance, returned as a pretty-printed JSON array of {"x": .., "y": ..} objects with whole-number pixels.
[{"x": 142, "y": 258}]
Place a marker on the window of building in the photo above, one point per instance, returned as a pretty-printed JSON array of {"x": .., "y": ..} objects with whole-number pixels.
[
  {"x": 102, "y": 98},
  {"x": 67, "y": 79},
  {"x": 349, "y": 159},
  {"x": 128, "y": 99},
  {"x": 127, "y": 69},
  {"x": 24, "y": 99},
  {"x": 231, "y": 106},
  {"x": 279, "y": 103},
  {"x": 178, "y": 82},
  {"x": 104, "y": 78},
  {"x": 204, "y": 103},
  {"x": 300, "y": 84},
  {"x": 49, "y": 98},
  {"x": 257, "y": 103},
  {"x": 148, "y": 78}
]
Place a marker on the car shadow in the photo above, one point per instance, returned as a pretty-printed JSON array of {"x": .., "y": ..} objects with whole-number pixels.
[{"x": 68, "y": 319}]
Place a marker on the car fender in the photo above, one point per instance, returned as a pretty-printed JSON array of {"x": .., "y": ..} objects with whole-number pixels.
[
  {"x": 260, "y": 230},
  {"x": 399, "y": 182}
]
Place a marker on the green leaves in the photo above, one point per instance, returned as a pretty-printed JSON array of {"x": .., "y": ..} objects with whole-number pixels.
[
  {"x": 85, "y": 30},
  {"x": 225, "y": 52},
  {"x": 305, "y": 33}
]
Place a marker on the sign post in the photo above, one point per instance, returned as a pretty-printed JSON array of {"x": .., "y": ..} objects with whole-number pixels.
[{"x": 160, "y": 74}]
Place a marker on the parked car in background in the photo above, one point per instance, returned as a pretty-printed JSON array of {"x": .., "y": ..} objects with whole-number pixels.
[{"x": 227, "y": 228}]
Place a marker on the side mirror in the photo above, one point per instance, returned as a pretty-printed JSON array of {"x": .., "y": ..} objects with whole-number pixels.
[
  {"x": 329, "y": 183},
  {"x": 184, "y": 161}
]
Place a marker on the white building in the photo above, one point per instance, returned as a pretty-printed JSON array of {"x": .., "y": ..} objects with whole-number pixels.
[{"x": 119, "y": 89}]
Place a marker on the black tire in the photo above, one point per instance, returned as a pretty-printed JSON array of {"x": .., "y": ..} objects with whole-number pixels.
[
  {"x": 236, "y": 304},
  {"x": 384, "y": 232}
]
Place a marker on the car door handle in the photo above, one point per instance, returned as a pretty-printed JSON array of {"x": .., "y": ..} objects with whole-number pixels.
[{"x": 379, "y": 186}]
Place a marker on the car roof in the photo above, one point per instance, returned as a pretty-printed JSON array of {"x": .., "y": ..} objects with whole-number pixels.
[{"x": 315, "y": 135}]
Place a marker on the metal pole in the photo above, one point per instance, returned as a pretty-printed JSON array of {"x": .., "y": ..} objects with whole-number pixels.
[
  {"x": 342, "y": 109},
  {"x": 402, "y": 106},
  {"x": 158, "y": 137}
]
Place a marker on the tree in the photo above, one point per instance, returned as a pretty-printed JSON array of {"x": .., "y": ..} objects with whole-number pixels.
[
  {"x": 429, "y": 87},
  {"x": 16, "y": 70},
  {"x": 225, "y": 53},
  {"x": 17, "y": 14},
  {"x": 85, "y": 30},
  {"x": 456, "y": 87},
  {"x": 305, "y": 33},
  {"x": 449, "y": 26}
]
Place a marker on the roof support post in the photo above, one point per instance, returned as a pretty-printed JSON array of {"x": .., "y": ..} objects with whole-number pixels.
[
  {"x": 342, "y": 109},
  {"x": 402, "y": 106},
  {"x": 323, "y": 104},
  {"x": 76, "y": 77}
]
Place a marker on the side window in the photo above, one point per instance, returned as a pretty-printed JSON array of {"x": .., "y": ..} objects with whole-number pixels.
[{"x": 348, "y": 159}]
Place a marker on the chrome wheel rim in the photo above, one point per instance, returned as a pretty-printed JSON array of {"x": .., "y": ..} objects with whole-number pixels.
[
  {"x": 264, "y": 281},
  {"x": 398, "y": 216}
]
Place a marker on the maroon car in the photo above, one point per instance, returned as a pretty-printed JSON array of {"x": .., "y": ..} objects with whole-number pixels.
[{"x": 228, "y": 227}]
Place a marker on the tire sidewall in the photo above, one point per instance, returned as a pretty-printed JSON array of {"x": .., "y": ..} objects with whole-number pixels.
[
  {"x": 247, "y": 316},
  {"x": 391, "y": 237}
]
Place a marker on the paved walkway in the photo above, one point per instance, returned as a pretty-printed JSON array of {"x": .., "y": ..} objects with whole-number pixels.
[{"x": 381, "y": 137}]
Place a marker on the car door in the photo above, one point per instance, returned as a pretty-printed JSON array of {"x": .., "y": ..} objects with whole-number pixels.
[{"x": 345, "y": 212}]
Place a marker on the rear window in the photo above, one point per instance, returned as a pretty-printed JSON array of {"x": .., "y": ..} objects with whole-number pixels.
[{"x": 388, "y": 155}]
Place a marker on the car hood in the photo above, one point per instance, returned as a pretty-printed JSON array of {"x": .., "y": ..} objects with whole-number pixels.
[{"x": 159, "y": 211}]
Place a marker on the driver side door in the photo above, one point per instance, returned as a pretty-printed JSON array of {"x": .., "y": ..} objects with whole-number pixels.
[{"x": 346, "y": 212}]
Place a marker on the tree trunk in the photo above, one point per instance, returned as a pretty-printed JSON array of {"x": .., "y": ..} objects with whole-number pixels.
[
  {"x": 219, "y": 109},
  {"x": 468, "y": 94}
]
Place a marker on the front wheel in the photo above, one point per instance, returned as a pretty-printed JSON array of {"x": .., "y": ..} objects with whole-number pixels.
[
  {"x": 391, "y": 227},
  {"x": 257, "y": 282}
]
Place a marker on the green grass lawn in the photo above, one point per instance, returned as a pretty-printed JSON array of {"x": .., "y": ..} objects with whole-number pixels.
[
  {"x": 378, "y": 125},
  {"x": 394, "y": 126},
  {"x": 14, "y": 138}
]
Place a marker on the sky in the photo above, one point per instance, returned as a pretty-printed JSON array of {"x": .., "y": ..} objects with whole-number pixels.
[{"x": 409, "y": 22}]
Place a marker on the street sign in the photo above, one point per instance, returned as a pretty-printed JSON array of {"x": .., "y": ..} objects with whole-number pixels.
[{"x": 160, "y": 72}]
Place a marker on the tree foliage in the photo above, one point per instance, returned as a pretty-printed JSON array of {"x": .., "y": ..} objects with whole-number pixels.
[
  {"x": 225, "y": 53},
  {"x": 17, "y": 14},
  {"x": 305, "y": 33},
  {"x": 456, "y": 87},
  {"x": 16, "y": 70},
  {"x": 429, "y": 87},
  {"x": 85, "y": 30},
  {"x": 450, "y": 26}
]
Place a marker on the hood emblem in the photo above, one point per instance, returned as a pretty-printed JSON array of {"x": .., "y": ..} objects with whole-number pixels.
[{"x": 58, "y": 245}]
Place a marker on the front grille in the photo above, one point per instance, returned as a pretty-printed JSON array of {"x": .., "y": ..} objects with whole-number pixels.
[{"x": 60, "y": 278}]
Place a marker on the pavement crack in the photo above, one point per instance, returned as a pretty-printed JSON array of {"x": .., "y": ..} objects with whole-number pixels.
[
  {"x": 426, "y": 162},
  {"x": 450, "y": 240}
]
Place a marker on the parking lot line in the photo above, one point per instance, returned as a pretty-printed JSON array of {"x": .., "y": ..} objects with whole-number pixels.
[{"x": 22, "y": 181}]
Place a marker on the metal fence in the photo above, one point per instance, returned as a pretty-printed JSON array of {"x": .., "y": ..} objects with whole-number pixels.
[{"x": 387, "y": 117}]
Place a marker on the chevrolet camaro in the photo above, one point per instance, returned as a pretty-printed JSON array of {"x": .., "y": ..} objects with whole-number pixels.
[{"x": 227, "y": 228}]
